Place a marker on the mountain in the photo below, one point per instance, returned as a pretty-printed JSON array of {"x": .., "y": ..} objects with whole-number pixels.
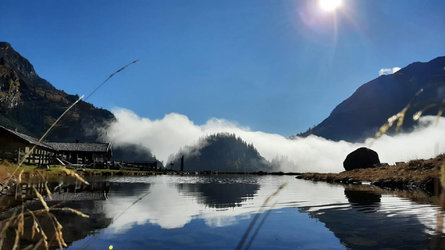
[
  {"x": 221, "y": 152},
  {"x": 134, "y": 153},
  {"x": 31, "y": 104},
  {"x": 361, "y": 115}
]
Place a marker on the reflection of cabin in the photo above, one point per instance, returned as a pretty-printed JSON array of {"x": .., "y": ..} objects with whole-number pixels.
[
  {"x": 75, "y": 191},
  {"x": 14, "y": 146}
]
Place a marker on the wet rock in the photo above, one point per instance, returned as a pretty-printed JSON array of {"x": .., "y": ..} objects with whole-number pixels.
[{"x": 361, "y": 158}]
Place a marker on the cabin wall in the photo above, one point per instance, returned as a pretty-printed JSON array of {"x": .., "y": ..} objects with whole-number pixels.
[{"x": 93, "y": 159}]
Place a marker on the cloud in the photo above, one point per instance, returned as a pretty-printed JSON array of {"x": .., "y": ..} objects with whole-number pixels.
[
  {"x": 168, "y": 135},
  {"x": 388, "y": 71}
]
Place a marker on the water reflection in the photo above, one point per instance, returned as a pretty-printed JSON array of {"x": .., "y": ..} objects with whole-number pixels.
[
  {"x": 220, "y": 194},
  {"x": 366, "y": 201},
  {"x": 376, "y": 221},
  {"x": 362, "y": 198},
  {"x": 69, "y": 194},
  {"x": 172, "y": 202},
  {"x": 214, "y": 211},
  {"x": 359, "y": 218}
]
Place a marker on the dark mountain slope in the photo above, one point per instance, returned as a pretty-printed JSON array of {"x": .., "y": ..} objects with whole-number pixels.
[
  {"x": 360, "y": 116},
  {"x": 222, "y": 152},
  {"x": 30, "y": 104}
]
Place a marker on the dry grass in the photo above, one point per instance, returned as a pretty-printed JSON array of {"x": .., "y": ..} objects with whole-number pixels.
[
  {"x": 399, "y": 117},
  {"x": 415, "y": 171},
  {"x": 16, "y": 226},
  {"x": 9, "y": 170},
  {"x": 241, "y": 244}
]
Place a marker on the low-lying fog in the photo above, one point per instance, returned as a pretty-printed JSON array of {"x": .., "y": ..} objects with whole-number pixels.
[{"x": 168, "y": 135}]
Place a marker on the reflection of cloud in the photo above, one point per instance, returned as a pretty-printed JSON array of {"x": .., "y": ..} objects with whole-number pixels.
[
  {"x": 170, "y": 208},
  {"x": 385, "y": 222},
  {"x": 426, "y": 214},
  {"x": 388, "y": 71},
  {"x": 314, "y": 154},
  {"x": 158, "y": 207}
]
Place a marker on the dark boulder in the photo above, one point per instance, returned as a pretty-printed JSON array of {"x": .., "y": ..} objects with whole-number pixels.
[{"x": 361, "y": 158}]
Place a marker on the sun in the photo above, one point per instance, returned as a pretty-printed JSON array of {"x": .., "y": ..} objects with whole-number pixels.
[{"x": 330, "y": 5}]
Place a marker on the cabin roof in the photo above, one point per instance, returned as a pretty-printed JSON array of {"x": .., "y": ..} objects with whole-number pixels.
[
  {"x": 80, "y": 146},
  {"x": 27, "y": 138}
]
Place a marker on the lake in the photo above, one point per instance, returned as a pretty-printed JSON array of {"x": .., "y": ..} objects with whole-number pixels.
[{"x": 215, "y": 212}]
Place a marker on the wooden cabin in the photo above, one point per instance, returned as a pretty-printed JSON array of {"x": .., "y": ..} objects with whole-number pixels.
[
  {"x": 14, "y": 146},
  {"x": 92, "y": 154}
]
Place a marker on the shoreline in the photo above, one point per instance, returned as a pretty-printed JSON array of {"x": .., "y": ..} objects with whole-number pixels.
[
  {"x": 422, "y": 175},
  {"x": 55, "y": 171}
]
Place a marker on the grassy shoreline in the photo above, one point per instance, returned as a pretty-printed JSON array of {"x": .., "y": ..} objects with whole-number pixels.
[
  {"x": 54, "y": 171},
  {"x": 415, "y": 174},
  {"x": 58, "y": 171}
]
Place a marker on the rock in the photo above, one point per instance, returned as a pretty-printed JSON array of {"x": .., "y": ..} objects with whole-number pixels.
[{"x": 361, "y": 158}]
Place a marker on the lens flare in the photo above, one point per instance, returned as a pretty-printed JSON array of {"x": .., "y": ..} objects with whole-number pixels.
[{"x": 330, "y": 5}]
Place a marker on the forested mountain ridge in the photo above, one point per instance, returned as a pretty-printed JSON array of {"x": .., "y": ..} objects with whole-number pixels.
[
  {"x": 221, "y": 152},
  {"x": 31, "y": 104}
]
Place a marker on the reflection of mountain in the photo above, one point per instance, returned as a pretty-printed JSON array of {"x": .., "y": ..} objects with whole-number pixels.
[
  {"x": 220, "y": 195},
  {"x": 173, "y": 202},
  {"x": 372, "y": 223}
]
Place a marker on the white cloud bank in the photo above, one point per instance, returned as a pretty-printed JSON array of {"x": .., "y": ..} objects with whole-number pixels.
[
  {"x": 168, "y": 135},
  {"x": 388, "y": 71}
]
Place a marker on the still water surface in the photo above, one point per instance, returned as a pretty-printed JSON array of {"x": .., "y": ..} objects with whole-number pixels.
[{"x": 214, "y": 212}]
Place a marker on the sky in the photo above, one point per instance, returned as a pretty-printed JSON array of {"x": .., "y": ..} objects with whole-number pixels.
[{"x": 278, "y": 66}]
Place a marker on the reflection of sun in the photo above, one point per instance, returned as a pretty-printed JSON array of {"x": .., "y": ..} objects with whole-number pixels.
[{"x": 329, "y": 5}]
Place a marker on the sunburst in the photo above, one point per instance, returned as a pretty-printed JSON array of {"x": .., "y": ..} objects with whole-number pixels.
[{"x": 330, "y": 5}]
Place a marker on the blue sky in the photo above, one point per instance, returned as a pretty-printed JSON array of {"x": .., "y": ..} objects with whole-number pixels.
[{"x": 278, "y": 66}]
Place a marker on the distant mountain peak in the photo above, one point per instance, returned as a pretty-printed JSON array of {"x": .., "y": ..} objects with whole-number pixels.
[
  {"x": 5, "y": 45},
  {"x": 359, "y": 116},
  {"x": 11, "y": 58}
]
